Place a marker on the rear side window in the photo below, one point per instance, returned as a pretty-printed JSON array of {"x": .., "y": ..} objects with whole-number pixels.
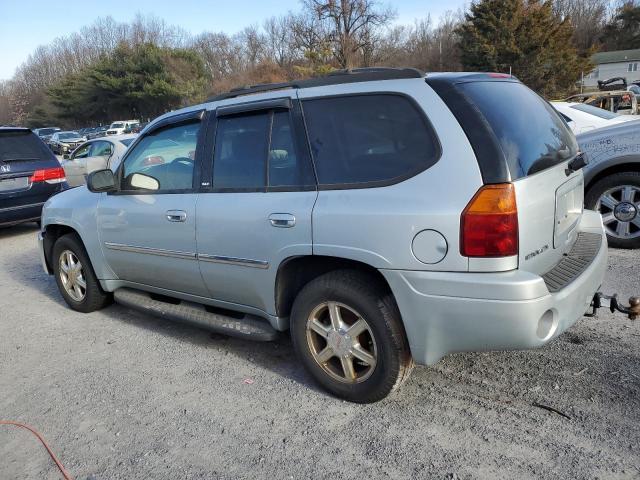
[
  {"x": 530, "y": 132},
  {"x": 368, "y": 140},
  {"x": 256, "y": 150},
  {"x": 22, "y": 145}
]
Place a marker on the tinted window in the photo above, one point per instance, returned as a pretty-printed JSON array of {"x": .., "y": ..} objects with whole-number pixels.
[
  {"x": 368, "y": 138},
  {"x": 598, "y": 112},
  {"x": 248, "y": 146},
  {"x": 21, "y": 145},
  {"x": 167, "y": 155},
  {"x": 531, "y": 141}
]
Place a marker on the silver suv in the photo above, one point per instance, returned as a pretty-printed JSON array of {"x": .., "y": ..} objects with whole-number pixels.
[{"x": 382, "y": 216}]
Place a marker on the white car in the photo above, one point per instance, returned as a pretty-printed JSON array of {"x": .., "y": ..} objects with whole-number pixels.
[
  {"x": 582, "y": 117},
  {"x": 96, "y": 154},
  {"x": 118, "y": 127}
]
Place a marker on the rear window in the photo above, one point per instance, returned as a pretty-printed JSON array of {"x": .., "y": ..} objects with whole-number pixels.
[
  {"x": 21, "y": 146},
  {"x": 598, "y": 112},
  {"x": 368, "y": 139},
  {"x": 531, "y": 134}
]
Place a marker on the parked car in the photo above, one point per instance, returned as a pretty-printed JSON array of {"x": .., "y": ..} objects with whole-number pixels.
[
  {"x": 46, "y": 132},
  {"x": 29, "y": 175},
  {"x": 612, "y": 180},
  {"x": 65, "y": 142},
  {"x": 98, "y": 132},
  {"x": 622, "y": 102},
  {"x": 582, "y": 117},
  {"x": 136, "y": 128},
  {"x": 94, "y": 155},
  {"x": 441, "y": 222},
  {"x": 121, "y": 126},
  {"x": 85, "y": 132}
]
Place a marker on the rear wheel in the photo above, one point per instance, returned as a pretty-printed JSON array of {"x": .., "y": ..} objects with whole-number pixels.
[
  {"x": 75, "y": 277},
  {"x": 347, "y": 332},
  {"x": 617, "y": 198}
]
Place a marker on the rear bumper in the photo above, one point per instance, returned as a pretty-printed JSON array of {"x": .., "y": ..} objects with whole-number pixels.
[{"x": 447, "y": 312}]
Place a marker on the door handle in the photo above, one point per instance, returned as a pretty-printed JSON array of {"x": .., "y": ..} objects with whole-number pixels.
[
  {"x": 176, "y": 215},
  {"x": 282, "y": 220}
]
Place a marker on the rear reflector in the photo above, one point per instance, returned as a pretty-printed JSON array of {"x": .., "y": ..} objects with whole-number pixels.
[
  {"x": 49, "y": 175},
  {"x": 489, "y": 223}
]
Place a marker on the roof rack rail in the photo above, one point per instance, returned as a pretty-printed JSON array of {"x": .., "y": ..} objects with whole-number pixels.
[{"x": 333, "y": 78}]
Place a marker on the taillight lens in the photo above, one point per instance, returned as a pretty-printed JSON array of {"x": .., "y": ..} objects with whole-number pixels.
[
  {"x": 49, "y": 175},
  {"x": 489, "y": 223}
]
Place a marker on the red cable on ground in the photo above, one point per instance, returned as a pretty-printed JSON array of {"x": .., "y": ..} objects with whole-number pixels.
[{"x": 64, "y": 472}]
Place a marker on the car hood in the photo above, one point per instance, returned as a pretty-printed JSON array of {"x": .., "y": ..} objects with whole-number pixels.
[{"x": 71, "y": 140}]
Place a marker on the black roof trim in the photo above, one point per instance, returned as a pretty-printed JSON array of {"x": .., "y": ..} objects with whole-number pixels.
[
  {"x": 14, "y": 129},
  {"x": 334, "y": 78}
]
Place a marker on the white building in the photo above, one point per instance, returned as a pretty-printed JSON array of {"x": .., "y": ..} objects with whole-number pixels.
[{"x": 621, "y": 63}]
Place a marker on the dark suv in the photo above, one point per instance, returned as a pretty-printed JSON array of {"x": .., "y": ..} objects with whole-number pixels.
[{"x": 29, "y": 175}]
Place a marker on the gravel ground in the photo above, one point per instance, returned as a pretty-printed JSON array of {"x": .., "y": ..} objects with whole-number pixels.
[{"x": 120, "y": 395}]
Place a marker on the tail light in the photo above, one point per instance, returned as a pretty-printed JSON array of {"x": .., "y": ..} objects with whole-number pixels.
[
  {"x": 489, "y": 223},
  {"x": 49, "y": 175}
]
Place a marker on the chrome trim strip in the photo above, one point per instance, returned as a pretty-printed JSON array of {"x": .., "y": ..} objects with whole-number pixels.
[
  {"x": 243, "y": 262},
  {"x": 151, "y": 251},
  {"x": 20, "y": 207}
]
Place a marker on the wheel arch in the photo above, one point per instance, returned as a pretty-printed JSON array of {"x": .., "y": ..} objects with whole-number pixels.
[
  {"x": 295, "y": 272},
  {"x": 628, "y": 163},
  {"x": 52, "y": 233}
]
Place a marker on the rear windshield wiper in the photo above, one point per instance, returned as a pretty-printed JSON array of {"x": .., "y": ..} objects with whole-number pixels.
[{"x": 578, "y": 162}]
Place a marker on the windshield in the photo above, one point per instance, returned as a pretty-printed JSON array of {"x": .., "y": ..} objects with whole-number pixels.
[
  {"x": 532, "y": 135},
  {"x": 65, "y": 135},
  {"x": 117, "y": 125},
  {"x": 598, "y": 112}
]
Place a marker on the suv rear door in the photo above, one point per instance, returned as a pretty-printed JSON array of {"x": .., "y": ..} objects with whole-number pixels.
[{"x": 255, "y": 209}]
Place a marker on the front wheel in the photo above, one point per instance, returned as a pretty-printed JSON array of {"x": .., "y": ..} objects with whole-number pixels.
[
  {"x": 617, "y": 198},
  {"x": 75, "y": 277},
  {"x": 347, "y": 331}
]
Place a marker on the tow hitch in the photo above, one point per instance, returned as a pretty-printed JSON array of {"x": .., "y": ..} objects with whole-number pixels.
[{"x": 601, "y": 300}]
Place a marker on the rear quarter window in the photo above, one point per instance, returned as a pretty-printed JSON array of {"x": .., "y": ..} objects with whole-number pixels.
[
  {"x": 531, "y": 134},
  {"x": 368, "y": 140}
]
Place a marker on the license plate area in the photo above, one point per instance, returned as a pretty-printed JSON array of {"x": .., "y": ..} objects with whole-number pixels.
[
  {"x": 14, "y": 184},
  {"x": 569, "y": 206}
]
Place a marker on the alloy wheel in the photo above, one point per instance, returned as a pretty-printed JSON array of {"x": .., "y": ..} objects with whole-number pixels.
[
  {"x": 72, "y": 275},
  {"x": 620, "y": 210},
  {"x": 341, "y": 342}
]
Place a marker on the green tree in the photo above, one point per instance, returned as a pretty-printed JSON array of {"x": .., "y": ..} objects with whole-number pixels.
[
  {"x": 623, "y": 32},
  {"x": 133, "y": 82},
  {"x": 526, "y": 37}
]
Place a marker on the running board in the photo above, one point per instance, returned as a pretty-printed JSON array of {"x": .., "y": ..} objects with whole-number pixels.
[{"x": 249, "y": 326}]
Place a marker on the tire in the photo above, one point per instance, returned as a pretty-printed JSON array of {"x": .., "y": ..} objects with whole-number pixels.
[
  {"x": 87, "y": 299},
  {"x": 355, "y": 295},
  {"x": 606, "y": 196}
]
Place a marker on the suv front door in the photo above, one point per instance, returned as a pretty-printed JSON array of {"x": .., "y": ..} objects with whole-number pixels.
[
  {"x": 147, "y": 228},
  {"x": 257, "y": 210}
]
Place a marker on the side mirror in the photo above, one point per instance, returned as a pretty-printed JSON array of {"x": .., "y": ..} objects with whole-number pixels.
[
  {"x": 101, "y": 181},
  {"x": 66, "y": 156}
]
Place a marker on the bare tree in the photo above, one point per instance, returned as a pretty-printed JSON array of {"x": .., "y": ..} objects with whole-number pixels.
[{"x": 352, "y": 25}]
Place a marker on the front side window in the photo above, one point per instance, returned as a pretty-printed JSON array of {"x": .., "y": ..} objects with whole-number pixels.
[
  {"x": 101, "y": 149},
  {"x": 368, "y": 139},
  {"x": 257, "y": 150},
  {"x": 167, "y": 156},
  {"x": 82, "y": 151}
]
